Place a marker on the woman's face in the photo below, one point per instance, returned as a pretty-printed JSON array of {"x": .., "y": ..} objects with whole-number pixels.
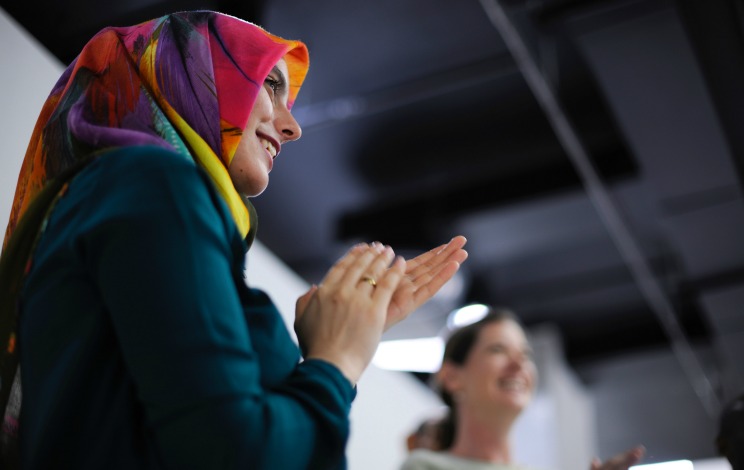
[
  {"x": 499, "y": 373},
  {"x": 270, "y": 125}
]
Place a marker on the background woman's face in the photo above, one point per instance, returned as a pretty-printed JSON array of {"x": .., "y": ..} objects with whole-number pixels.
[
  {"x": 270, "y": 125},
  {"x": 499, "y": 373}
]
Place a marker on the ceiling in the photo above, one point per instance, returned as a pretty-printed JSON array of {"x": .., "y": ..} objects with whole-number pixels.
[{"x": 419, "y": 124}]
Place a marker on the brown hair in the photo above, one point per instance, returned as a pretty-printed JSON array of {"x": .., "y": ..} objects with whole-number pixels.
[{"x": 457, "y": 350}]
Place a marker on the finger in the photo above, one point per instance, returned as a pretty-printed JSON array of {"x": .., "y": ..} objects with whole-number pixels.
[
  {"x": 453, "y": 251},
  {"x": 339, "y": 269},
  {"x": 361, "y": 267},
  {"x": 632, "y": 456},
  {"x": 626, "y": 459},
  {"x": 431, "y": 260},
  {"x": 439, "y": 271},
  {"x": 304, "y": 300},
  {"x": 432, "y": 275},
  {"x": 388, "y": 283},
  {"x": 429, "y": 284},
  {"x": 596, "y": 464},
  {"x": 377, "y": 268},
  {"x": 411, "y": 295},
  {"x": 424, "y": 258},
  {"x": 441, "y": 251}
]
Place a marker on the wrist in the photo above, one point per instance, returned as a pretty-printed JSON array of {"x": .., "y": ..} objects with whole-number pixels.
[{"x": 350, "y": 369}]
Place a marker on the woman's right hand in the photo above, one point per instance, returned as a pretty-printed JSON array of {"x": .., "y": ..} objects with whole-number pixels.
[
  {"x": 621, "y": 461},
  {"x": 342, "y": 319}
]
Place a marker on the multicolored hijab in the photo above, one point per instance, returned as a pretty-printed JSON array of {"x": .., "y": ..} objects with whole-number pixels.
[{"x": 185, "y": 81}]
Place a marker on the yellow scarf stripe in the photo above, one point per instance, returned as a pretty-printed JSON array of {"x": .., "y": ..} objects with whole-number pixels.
[
  {"x": 200, "y": 150},
  {"x": 208, "y": 160}
]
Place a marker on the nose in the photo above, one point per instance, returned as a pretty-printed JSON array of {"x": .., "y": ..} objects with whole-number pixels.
[
  {"x": 288, "y": 126},
  {"x": 523, "y": 363},
  {"x": 519, "y": 359}
]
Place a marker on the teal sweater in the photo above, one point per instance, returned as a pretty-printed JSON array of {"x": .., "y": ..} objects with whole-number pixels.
[{"x": 142, "y": 347}]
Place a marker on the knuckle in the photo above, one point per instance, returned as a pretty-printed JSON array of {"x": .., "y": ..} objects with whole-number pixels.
[{"x": 337, "y": 297}]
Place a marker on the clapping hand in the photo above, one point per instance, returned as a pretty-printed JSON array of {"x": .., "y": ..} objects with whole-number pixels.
[
  {"x": 424, "y": 276},
  {"x": 366, "y": 292},
  {"x": 341, "y": 320},
  {"x": 621, "y": 461}
]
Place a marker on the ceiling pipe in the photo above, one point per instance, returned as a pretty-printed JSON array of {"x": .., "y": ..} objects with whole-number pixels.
[{"x": 597, "y": 192}]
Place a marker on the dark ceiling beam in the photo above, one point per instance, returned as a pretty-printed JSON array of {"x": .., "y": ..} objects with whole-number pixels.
[
  {"x": 716, "y": 32},
  {"x": 403, "y": 218},
  {"x": 551, "y": 11}
]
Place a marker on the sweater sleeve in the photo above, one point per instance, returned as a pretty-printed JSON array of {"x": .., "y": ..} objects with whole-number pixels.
[{"x": 162, "y": 250}]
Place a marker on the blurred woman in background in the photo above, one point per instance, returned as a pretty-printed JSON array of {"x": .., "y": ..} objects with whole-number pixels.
[{"x": 487, "y": 378}]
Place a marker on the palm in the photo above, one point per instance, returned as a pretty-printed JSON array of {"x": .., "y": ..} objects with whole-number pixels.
[{"x": 425, "y": 275}]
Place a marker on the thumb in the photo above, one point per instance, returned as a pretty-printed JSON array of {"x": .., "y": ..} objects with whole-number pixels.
[{"x": 304, "y": 300}]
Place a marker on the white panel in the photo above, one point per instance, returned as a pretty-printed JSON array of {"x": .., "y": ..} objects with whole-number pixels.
[
  {"x": 29, "y": 73},
  {"x": 725, "y": 311}
]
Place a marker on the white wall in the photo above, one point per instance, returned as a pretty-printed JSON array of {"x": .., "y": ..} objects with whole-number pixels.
[
  {"x": 711, "y": 464},
  {"x": 557, "y": 431},
  {"x": 647, "y": 399},
  {"x": 29, "y": 72}
]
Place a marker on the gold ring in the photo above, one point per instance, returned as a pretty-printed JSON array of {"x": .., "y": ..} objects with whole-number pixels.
[{"x": 370, "y": 280}]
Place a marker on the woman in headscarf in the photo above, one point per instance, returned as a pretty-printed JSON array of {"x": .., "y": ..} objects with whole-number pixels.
[
  {"x": 123, "y": 301},
  {"x": 487, "y": 379}
]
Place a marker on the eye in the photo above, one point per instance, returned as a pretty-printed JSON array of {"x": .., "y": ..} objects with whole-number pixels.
[
  {"x": 497, "y": 349},
  {"x": 273, "y": 84}
]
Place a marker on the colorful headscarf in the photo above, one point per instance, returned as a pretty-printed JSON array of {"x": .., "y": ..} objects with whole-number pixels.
[{"x": 185, "y": 81}]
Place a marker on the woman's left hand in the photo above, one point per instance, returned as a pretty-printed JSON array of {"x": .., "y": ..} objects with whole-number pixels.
[
  {"x": 621, "y": 461},
  {"x": 425, "y": 275}
]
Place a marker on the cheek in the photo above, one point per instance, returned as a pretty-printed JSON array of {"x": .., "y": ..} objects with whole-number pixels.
[
  {"x": 240, "y": 152},
  {"x": 262, "y": 108},
  {"x": 531, "y": 370}
]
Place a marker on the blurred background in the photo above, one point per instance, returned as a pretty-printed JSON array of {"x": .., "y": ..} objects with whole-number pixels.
[{"x": 590, "y": 150}]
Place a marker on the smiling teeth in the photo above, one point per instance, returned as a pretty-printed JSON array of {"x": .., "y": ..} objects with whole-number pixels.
[
  {"x": 269, "y": 146},
  {"x": 512, "y": 384}
]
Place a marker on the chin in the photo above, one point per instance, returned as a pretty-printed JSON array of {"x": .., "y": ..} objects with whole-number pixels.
[
  {"x": 255, "y": 193},
  {"x": 253, "y": 189},
  {"x": 520, "y": 403}
]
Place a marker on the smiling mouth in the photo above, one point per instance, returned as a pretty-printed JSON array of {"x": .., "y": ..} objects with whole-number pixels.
[
  {"x": 269, "y": 147},
  {"x": 514, "y": 385}
]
